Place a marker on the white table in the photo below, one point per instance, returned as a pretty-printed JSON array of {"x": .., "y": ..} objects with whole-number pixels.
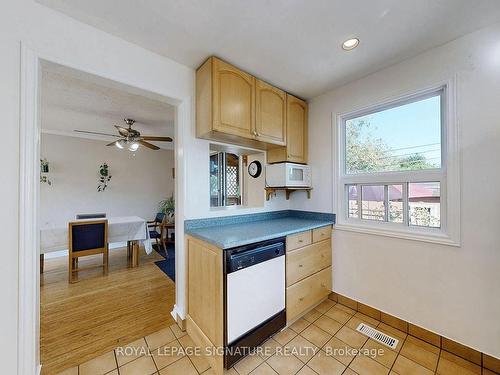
[{"x": 130, "y": 229}]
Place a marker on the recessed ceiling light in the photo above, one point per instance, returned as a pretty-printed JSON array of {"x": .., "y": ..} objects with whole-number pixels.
[{"x": 350, "y": 44}]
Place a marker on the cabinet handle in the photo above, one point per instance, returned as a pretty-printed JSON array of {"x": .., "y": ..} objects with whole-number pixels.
[
  {"x": 300, "y": 266},
  {"x": 255, "y": 132},
  {"x": 300, "y": 241},
  {"x": 323, "y": 285},
  {"x": 301, "y": 299}
]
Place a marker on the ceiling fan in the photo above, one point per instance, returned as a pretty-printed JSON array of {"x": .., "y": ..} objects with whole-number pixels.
[{"x": 130, "y": 138}]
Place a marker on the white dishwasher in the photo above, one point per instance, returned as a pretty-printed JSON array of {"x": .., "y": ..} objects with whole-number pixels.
[{"x": 255, "y": 296}]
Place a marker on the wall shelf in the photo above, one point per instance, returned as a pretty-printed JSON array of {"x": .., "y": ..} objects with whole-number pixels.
[{"x": 288, "y": 191}]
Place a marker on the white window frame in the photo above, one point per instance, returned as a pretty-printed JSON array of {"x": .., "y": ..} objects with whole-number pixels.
[{"x": 448, "y": 175}]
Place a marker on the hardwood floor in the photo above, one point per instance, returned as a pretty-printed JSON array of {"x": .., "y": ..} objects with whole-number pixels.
[{"x": 91, "y": 317}]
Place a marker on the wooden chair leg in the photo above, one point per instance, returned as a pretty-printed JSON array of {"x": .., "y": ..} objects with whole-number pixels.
[
  {"x": 105, "y": 256},
  {"x": 163, "y": 239},
  {"x": 70, "y": 269},
  {"x": 129, "y": 253}
]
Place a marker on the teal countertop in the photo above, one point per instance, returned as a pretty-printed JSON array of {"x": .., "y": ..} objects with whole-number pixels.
[{"x": 231, "y": 232}]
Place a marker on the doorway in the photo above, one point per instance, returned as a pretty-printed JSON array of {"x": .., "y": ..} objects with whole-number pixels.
[{"x": 29, "y": 318}]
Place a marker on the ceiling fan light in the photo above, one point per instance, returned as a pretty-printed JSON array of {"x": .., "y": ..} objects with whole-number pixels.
[
  {"x": 133, "y": 146},
  {"x": 120, "y": 144}
]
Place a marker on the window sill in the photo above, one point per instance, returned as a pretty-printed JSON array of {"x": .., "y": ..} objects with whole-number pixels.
[{"x": 438, "y": 238}]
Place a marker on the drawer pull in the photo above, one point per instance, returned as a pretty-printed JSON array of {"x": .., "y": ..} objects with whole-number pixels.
[
  {"x": 300, "y": 266},
  {"x": 300, "y": 241},
  {"x": 323, "y": 285},
  {"x": 301, "y": 299}
]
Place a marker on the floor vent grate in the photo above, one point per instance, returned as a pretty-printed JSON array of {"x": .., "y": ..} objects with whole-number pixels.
[{"x": 378, "y": 336}]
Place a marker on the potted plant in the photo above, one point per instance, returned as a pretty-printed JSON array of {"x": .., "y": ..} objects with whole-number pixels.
[{"x": 167, "y": 206}]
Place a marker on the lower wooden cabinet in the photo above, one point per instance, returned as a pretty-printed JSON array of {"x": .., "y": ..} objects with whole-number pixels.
[
  {"x": 307, "y": 293},
  {"x": 307, "y": 260},
  {"x": 308, "y": 270},
  {"x": 298, "y": 240},
  {"x": 308, "y": 282}
]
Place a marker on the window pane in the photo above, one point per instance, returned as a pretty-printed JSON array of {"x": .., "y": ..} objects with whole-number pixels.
[
  {"x": 352, "y": 193},
  {"x": 224, "y": 179},
  {"x": 372, "y": 202},
  {"x": 406, "y": 137},
  {"x": 424, "y": 202},
  {"x": 232, "y": 192},
  {"x": 215, "y": 181},
  {"x": 395, "y": 193}
]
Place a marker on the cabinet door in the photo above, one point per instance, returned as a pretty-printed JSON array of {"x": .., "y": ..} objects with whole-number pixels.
[
  {"x": 296, "y": 130},
  {"x": 270, "y": 118},
  {"x": 307, "y": 293},
  {"x": 234, "y": 100},
  {"x": 308, "y": 260}
]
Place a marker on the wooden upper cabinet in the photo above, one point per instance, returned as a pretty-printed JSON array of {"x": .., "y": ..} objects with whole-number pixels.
[
  {"x": 234, "y": 100},
  {"x": 296, "y": 134},
  {"x": 270, "y": 118},
  {"x": 233, "y": 106},
  {"x": 225, "y": 102},
  {"x": 297, "y": 130}
]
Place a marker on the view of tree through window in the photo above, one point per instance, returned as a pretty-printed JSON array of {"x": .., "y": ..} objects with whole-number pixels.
[{"x": 406, "y": 137}]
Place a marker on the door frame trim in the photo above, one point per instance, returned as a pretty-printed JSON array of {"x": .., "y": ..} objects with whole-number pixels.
[{"x": 28, "y": 330}]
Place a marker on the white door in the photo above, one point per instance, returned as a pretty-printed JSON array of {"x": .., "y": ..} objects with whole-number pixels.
[{"x": 254, "y": 294}]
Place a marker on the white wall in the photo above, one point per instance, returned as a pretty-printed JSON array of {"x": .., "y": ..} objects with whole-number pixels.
[
  {"x": 64, "y": 40},
  {"x": 452, "y": 291},
  {"x": 254, "y": 188},
  {"x": 198, "y": 185},
  {"x": 139, "y": 180}
]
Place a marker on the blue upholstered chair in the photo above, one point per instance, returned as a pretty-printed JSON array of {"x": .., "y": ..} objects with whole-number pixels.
[
  {"x": 87, "y": 238},
  {"x": 156, "y": 228}
]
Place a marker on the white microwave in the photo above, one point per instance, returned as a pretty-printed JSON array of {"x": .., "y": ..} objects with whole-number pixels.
[{"x": 288, "y": 175}]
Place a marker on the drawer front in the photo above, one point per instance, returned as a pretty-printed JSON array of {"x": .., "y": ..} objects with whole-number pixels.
[
  {"x": 320, "y": 234},
  {"x": 303, "y": 295},
  {"x": 295, "y": 241},
  {"x": 307, "y": 260}
]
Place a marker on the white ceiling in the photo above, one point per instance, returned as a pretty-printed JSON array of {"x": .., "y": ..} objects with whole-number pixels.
[
  {"x": 294, "y": 44},
  {"x": 76, "y": 100}
]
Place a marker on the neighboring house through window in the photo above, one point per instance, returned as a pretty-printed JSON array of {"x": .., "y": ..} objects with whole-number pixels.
[{"x": 393, "y": 167}]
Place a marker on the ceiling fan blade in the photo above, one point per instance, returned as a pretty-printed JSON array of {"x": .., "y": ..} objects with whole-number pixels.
[
  {"x": 152, "y": 138},
  {"x": 97, "y": 133},
  {"x": 112, "y": 143},
  {"x": 148, "y": 145},
  {"x": 123, "y": 131}
]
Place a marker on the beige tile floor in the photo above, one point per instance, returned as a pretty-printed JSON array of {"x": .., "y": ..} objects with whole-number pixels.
[{"x": 319, "y": 343}]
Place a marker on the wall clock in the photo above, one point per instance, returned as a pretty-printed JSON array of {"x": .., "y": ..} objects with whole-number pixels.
[{"x": 255, "y": 168}]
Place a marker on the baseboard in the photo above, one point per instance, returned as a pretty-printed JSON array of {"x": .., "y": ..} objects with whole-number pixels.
[
  {"x": 444, "y": 343},
  {"x": 178, "y": 319}
]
